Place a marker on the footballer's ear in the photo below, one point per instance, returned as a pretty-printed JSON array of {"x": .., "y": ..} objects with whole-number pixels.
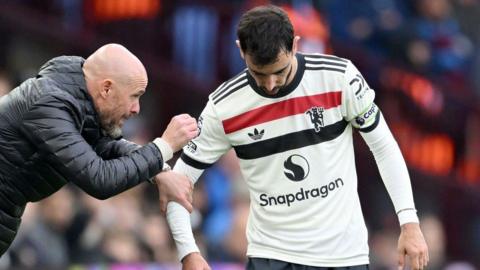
[
  {"x": 242, "y": 54},
  {"x": 295, "y": 44}
]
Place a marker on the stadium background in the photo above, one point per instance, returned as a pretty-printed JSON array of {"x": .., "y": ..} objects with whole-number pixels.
[{"x": 421, "y": 56}]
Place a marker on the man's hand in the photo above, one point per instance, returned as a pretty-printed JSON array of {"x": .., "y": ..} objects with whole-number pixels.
[
  {"x": 194, "y": 261},
  {"x": 176, "y": 187},
  {"x": 181, "y": 129},
  {"x": 412, "y": 244}
]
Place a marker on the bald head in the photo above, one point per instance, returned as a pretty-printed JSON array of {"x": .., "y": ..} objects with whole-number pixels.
[
  {"x": 115, "y": 80},
  {"x": 115, "y": 62}
]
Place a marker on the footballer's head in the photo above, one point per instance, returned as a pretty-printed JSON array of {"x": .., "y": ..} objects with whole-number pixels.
[{"x": 267, "y": 44}]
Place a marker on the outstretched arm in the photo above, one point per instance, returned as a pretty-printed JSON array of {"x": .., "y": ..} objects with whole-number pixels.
[
  {"x": 109, "y": 148},
  {"x": 179, "y": 131},
  {"x": 53, "y": 125}
]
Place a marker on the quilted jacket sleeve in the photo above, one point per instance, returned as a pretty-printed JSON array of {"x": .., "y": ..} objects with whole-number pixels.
[
  {"x": 53, "y": 125},
  {"x": 108, "y": 148}
]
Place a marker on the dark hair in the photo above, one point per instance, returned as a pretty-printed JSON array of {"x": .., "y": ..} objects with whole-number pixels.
[{"x": 263, "y": 32}]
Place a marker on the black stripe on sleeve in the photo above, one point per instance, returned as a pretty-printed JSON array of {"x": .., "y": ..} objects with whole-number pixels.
[
  {"x": 372, "y": 126},
  {"x": 325, "y": 68},
  {"x": 290, "y": 141},
  {"x": 228, "y": 84},
  {"x": 196, "y": 164},
  {"x": 326, "y": 63},
  {"x": 329, "y": 57},
  {"x": 215, "y": 101}
]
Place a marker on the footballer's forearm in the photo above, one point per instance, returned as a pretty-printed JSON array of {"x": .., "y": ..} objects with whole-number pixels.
[
  {"x": 178, "y": 220},
  {"x": 178, "y": 217},
  {"x": 393, "y": 170}
]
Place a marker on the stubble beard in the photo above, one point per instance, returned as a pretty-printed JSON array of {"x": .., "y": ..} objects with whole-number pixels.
[
  {"x": 113, "y": 132},
  {"x": 108, "y": 127}
]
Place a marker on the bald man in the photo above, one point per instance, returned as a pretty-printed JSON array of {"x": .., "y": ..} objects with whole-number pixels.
[{"x": 64, "y": 126}]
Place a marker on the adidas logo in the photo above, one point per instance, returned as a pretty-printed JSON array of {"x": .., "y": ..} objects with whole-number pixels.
[{"x": 256, "y": 135}]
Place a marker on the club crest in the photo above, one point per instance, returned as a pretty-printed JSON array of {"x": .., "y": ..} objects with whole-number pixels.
[{"x": 316, "y": 117}]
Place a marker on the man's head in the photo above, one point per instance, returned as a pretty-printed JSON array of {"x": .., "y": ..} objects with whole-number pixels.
[
  {"x": 115, "y": 79},
  {"x": 268, "y": 46}
]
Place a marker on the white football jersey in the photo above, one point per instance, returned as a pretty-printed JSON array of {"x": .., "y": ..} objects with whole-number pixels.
[{"x": 296, "y": 155}]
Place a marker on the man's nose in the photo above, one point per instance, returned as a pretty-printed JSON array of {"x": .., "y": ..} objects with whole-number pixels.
[
  {"x": 270, "y": 83},
  {"x": 135, "y": 108}
]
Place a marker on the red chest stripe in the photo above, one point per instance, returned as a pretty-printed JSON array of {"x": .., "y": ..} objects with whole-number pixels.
[{"x": 281, "y": 109}]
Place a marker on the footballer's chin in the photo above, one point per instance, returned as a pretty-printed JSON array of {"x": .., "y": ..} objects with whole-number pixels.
[{"x": 272, "y": 92}]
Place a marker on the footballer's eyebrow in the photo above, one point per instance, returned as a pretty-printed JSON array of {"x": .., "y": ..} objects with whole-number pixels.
[{"x": 275, "y": 72}]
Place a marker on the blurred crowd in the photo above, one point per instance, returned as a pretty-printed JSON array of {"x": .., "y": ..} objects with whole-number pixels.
[{"x": 422, "y": 57}]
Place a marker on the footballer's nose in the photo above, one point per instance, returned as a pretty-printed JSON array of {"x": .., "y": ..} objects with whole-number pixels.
[{"x": 270, "y": 83}]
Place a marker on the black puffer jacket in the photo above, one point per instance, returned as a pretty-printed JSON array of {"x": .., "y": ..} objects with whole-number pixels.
[{"x": 50, "y": 135}]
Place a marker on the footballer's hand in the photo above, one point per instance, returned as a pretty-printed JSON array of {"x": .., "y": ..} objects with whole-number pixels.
[
  {"x": 194, "y": 261},
  {"x": 176, "y": 187},
  {"x": 181, "y": 129},
  {"x": 412, "y": 244}
]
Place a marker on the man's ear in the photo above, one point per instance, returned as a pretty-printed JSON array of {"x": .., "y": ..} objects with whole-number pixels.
[
  {"x": 106, "y": 87},
  {"x": 240, "y": 49},
  {"x": 295, "y": 44}
]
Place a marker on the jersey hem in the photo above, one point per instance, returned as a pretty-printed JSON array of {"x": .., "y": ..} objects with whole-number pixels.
[{"x": 262, "y": 252}]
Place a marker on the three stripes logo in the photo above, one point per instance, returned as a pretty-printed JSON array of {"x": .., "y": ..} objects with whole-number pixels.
[
  {"x": 229, "y": 87},
  {"x": 256, "y": 135},
  {"x": 325, "y": 62}
]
